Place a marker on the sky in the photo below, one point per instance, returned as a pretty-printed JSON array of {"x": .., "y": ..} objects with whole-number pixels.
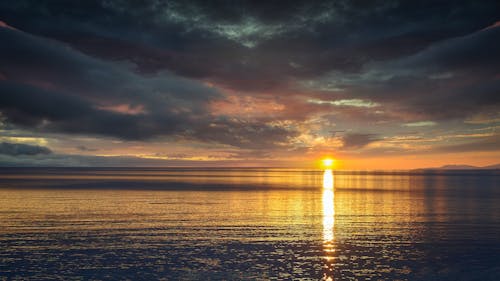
[{"x": 372, "y": 84}]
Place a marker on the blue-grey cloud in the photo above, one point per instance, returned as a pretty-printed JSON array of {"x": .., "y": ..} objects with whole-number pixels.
[
  {"x": 452, "y": 79},
  {"x": 16, "y": 149},
  {"x": 357, "y": 140}
]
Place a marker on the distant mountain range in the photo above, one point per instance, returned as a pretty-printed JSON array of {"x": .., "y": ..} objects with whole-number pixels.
[{"x": 465, "y": 167}]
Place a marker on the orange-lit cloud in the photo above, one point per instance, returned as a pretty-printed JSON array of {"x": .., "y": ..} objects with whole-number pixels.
[{"x": 124, "y": 108}]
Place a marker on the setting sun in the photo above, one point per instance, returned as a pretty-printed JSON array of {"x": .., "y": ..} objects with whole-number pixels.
[{"x": 327, "y": 162}]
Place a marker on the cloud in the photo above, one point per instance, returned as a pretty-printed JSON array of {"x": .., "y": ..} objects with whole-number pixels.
[
  {"x": 247, "y": 75},
  {"x": 296, "y": 40},
  {"x": 346, "y": 102},
  {"x": 16, "y": 149},
  {"x": 67, "y": 160},
  {"x": 420, "y": 124},
  {"x": 483, "y": 144},
  {"x": 84, "y": 148},
  {"x": 245, "y": 134},
  {"x": 51, "y": 111},
  {"x": 357, "y": 140},
  {"x": 456, "y": 78},
  {"x": 247, "y": 24},
  {"x": 53, "y": 88},
  {"x": 4, "y": 25}
]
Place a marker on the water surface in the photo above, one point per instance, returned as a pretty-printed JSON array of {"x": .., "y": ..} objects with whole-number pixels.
[{"x": 232, "y": 224}]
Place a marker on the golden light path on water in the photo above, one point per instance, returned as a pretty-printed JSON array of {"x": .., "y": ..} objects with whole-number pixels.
[{"x": 328, "y": 222}]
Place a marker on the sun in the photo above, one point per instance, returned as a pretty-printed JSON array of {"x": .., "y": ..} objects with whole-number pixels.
[{"x": 328, "y": 162}]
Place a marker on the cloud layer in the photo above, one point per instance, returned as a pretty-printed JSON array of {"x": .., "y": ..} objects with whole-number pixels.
[
  {"x": 251, "y": 80},
  {"x": 16, "y": 149}
]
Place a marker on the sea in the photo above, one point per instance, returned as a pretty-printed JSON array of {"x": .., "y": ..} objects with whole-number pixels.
[{"x": 248, "y": 224}]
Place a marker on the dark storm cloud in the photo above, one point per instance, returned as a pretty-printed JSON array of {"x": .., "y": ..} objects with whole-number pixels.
[
  {"x": 48, "y": 86},
  {"x": 50, "y": 64},
  {"x": 16, "y": 149},
  {"x": 455, "y": 78},
  {"x": 475, "y": 51},
  {"x": 250, "y": 45},
  {"x": 29, "y": 106}
]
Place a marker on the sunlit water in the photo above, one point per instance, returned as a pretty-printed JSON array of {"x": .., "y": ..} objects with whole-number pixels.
[{"x": 251, "y": 224}]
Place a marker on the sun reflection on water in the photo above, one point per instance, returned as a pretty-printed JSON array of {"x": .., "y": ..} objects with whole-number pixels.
[{"x": 328, "y": 222}]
